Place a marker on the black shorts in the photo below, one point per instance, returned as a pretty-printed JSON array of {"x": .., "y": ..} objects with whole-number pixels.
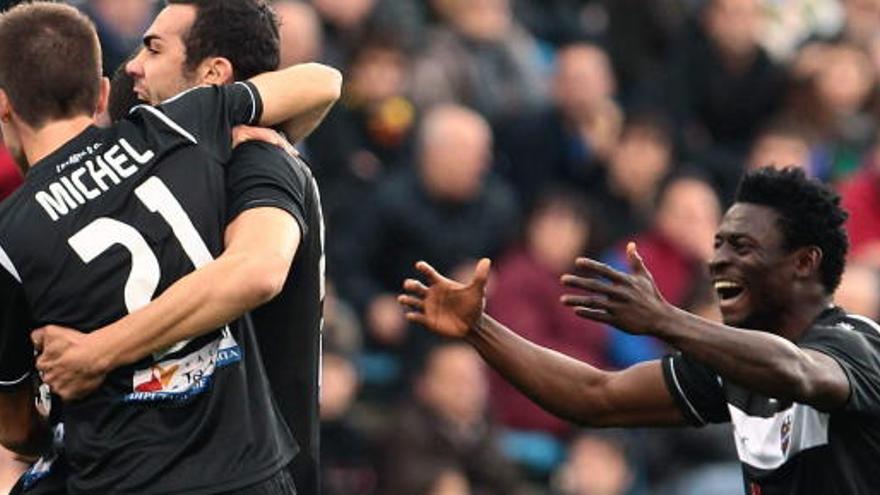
[{"x": 280, "y": 483}]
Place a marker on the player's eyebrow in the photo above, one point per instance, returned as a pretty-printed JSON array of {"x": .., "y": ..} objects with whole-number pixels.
[{"x": 149, "y": 38}]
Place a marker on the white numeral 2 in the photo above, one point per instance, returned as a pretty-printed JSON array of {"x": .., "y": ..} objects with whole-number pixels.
[{"x": 103, "y": 233}]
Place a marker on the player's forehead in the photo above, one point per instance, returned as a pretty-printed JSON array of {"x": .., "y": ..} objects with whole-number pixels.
[
  {"x": 172, "y": 24},
  {"x": 758, "y": 222}
]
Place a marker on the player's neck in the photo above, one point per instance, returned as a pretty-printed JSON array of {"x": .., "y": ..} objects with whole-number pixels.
[
  {"x": 801, "y": 317},
  {"x": 38, "y": 144}
]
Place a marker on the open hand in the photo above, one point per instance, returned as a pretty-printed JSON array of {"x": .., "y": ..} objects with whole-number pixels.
[
  {"x": 630, "y": 302},
  {"x": 245, "y": 133},
  {"x": 444, "y": 306},
  {"x": 67, "y": 361}
]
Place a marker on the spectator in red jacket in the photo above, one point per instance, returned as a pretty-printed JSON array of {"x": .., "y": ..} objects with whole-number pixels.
[
  {"x": 527, "y": 292},
  {"x": 10, "y": 176},
  {"x": 860, "y": 196}
]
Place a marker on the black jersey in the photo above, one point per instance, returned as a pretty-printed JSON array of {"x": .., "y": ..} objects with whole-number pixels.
[
  {"x": 289, "y": 327},
  {"x": 100, "y": 227},
  {"x": 792, "y": 448}
]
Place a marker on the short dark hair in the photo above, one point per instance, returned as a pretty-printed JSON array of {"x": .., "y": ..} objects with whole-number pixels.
[
  {"x": 50, "y": 62},
  {"x": 243, "y": 31},
  {"x": 122, "y": 95},
  {"x": 809, "y": 215}
]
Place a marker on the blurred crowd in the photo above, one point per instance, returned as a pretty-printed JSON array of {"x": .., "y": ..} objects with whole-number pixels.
[{"x": 533, "y": 132}]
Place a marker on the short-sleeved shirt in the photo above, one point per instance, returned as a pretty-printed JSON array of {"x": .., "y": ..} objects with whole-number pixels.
[
  {"x": 100, "y": 227},
  {"x": 288, "y": 328},
  {"x": 786, "y": 447}
]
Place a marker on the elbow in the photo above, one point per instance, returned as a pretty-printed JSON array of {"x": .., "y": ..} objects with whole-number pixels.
[
  {"x": 795, "y": 383},
  {"x": 335, "y": 77},
  {"x": 265, "y": 278},
  {"x": 26, "y": 442},
  {"x": 331, "y": 83},
  {"x": 334, "y": 88}
]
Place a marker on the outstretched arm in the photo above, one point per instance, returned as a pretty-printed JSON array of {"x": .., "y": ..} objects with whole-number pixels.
[
  {"x": 569, "y": 388},
  {"x": 763, "y": 362}
]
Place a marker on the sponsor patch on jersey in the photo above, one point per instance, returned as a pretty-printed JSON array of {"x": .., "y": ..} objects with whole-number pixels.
[
  {"x": 43, "y": 467},
  {"x": 38, "y": 471},
  {"x": 785, "y": 434},
  {"x": 184, "y": 377}
]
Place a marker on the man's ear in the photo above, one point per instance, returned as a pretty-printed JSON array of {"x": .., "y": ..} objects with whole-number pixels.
[
  {"x": 103, "y": 97},
  {"x": 807, "y": 261},
  {"x": 5, "y": 108},
  {"x": 216, "y": 70}
]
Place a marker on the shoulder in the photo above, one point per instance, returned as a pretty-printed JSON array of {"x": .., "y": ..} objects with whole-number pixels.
[
  {"x": 262, "y": 154},
  {"x": 849, "y": 336},
  {"x": 839, "y": 320},
  {"x": 499, "y": 191}
]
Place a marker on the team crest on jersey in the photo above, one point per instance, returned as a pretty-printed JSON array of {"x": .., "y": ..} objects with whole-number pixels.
[
  {"x": 182, "y": 378},
  {"x": 785, "y": 434}
]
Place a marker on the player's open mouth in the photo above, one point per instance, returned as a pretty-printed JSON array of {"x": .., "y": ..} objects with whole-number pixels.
[{"x": 728, "y": 291}]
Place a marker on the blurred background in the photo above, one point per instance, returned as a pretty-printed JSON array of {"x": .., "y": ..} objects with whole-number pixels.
[{"x": 533, "y": 132}]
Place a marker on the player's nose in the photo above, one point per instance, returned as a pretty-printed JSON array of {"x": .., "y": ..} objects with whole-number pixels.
[{"x": 134, "y": 67}]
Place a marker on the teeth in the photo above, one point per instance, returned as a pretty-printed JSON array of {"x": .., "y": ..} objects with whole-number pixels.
[{"x": 726, "y": 284}]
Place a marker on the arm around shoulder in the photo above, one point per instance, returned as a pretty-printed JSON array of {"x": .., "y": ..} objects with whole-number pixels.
[{"x": 298, "y": 95}]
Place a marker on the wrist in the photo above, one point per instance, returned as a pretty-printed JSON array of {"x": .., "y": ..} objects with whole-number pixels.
[
  {"x": 482, "y": 325},
  {"x": 668, "y": 324},
  {"x": 103, "y": 357}
]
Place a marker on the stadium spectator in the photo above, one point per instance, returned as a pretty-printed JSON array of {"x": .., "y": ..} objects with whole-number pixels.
[
  {"x": 724, "y": 85},
  {"x": 299, "y": 29},
  {"x": 481, "y": 58},
  {"x": 344, "y": 23},
  {"x": 120, "y": 24},
  {"x": 447, "y": 208},
  {"x": 832, "y": 99},
  {"x": 348, "y": 462},
  {"x": 569, "y": 140},
  {"x": 367, "y": 135},
  {"x": 628, "y": 190},
  {"x": 446, "y": 429},
  {"x": 596, "y": 465},
  {"x": 782, "y": 144}
]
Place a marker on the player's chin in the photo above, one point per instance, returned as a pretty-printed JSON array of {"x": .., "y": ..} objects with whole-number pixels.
[{"x": 736, "y": 312}]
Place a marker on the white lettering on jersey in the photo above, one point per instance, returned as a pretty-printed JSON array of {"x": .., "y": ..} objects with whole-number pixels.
[
  {"x": 767, "y": 443},
  {"x": 72, "y": 190}
]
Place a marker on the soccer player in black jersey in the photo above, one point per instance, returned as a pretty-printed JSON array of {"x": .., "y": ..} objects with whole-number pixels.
[
  {"x": 106, "y": 219},
  {"x": 196, "y": 42},
  {"x": 797, "y": 377}
]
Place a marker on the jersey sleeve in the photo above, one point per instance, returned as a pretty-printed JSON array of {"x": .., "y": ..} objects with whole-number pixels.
[
  {"x": 208, "y": 113},
  {"x": 697, "y": 390},
  {"x": 855, "y": 344},
  {"x": 260, "y": 175},
  {"x": 16, "y": 350}
]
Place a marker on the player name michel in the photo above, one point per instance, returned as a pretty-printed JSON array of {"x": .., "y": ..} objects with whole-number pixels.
[{"x": 93, "y": 177}]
